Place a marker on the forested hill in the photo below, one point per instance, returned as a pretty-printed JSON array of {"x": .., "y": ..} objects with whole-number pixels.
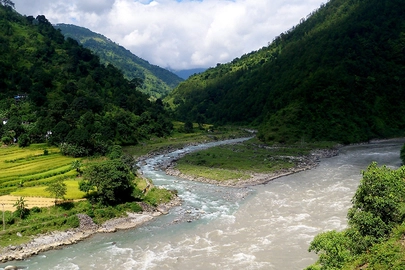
[
  {"x": 54, "y": 89},
  {"x": 156, "y": 81},
  {"x": 337, "y": 75}
]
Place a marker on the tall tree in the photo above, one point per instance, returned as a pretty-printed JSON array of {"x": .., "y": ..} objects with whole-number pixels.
[
  {"x": 57, "y": 189},
  {"x": 112, "y": 179}
]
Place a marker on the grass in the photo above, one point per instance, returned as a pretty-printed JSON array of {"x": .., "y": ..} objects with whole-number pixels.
[
  {"x": 72, "y": 193},
  {"x": 212, "y": 173},
  {"x": 157, "y": 196},
  {"x": 238, "y": 161}
]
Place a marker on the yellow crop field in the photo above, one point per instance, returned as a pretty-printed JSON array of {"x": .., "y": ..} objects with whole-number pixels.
[{"x": 36, "y": 165}]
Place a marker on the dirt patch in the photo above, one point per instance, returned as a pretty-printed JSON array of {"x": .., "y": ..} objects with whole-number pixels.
[{"x": 9, "y": 200}]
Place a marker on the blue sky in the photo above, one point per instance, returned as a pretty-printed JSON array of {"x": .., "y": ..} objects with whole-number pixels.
[{"x": 179, "y": 34}]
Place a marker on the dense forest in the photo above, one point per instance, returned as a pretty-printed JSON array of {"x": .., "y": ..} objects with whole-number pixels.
[
  {"x": 55, "y": 90},
  {"x": 338, "y": 75},
  {"x": 156, "y": 81}
]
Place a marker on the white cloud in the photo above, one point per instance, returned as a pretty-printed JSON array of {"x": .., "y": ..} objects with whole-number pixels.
[{"x": 179, "y": 34}]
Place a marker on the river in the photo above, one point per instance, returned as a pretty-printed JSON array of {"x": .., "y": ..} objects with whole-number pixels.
[{"x": 263, "y": 227}]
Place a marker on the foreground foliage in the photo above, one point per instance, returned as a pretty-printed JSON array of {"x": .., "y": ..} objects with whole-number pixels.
[{"x": 374, "y": 238}]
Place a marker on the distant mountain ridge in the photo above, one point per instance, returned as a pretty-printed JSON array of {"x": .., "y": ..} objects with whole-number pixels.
[
  {"x": 157, "y": 81},
  {"x": 339, "y": 75},
  {"x": 186, "y": 73}
]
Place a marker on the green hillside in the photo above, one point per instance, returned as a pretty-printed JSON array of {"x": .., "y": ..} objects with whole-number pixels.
[
  {"x": 55, "y": 90},
  {"x": 157, "y": 81},
  {"x": 339, "y": 75}
]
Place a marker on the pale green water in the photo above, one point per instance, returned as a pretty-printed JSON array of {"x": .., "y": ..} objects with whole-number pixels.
[{"x": 264, "y": 227}]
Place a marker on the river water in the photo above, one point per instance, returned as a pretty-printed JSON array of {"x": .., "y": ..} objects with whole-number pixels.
[{"x": 263, "y": 227}]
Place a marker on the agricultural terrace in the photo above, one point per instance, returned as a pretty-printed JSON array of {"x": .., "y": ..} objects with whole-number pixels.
[{"x": 27, "y": 171}]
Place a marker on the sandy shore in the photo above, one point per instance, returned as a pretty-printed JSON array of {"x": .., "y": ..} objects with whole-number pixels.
[{"x": 53, "y": 240}]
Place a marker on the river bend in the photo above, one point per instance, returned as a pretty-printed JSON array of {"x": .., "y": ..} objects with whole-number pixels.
[{"x": 263, "y": 227}]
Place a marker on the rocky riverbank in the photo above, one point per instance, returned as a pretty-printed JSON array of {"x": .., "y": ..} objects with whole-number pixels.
[
  {"x": 87, "y": 228},
  {"x": 302, "y": 163}
]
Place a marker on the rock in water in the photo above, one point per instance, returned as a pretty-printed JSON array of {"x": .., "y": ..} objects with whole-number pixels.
[{"x": 11, "y": 267}]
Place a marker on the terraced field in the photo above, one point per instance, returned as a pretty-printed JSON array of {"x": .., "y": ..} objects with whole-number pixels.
[{"x": 37, "y": 165}]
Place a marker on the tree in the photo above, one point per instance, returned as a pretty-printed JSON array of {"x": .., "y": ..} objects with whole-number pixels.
[
  {"x": 188, "y": 127},
  {"x": 85, "y": 186},
  {"x": 57, "y": 189},
  {"x": 24, "y": 140},
  {"x": 377, "y": 205},
  {"x": 21, "y": 206},
  {"x": 77, "y": 166},
  {"x": 333, "y": 249},
  {"x": 112, "y": 180}
]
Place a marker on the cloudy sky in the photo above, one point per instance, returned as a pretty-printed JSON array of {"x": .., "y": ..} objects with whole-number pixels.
[{"x": 179, "y": 34}]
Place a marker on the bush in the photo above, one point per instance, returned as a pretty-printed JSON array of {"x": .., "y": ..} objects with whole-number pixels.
[
  {"x": 24, "y": 140},
  {"x": 68, "y": 149},
  {"x": 134, "y": 207},
  {"x": 72, "y": 221},
  {"x": 115, "y": 152},
  {"x": 6, "y": 140},
  {"x": 35, "y": 209},
  {"x": 104, "y": 213}
]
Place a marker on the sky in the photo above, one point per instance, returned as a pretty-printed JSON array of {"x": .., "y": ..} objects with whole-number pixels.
[{"x": 179, "y": 34}]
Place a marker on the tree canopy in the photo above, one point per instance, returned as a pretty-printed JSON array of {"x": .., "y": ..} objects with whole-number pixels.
[{"x": 112, "y": 179}]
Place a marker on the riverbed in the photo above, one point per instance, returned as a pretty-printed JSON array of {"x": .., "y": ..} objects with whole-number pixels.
[{"x": 262, "y": 227}]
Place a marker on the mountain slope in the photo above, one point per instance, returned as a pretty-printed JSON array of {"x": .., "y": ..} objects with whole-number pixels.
[
  {"x": 157, "y": 81},
  {"x": 338, "y": 75},
  {"x": 55, "y": 90}
]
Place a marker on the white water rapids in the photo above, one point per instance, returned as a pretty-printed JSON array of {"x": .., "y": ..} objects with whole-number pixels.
[{"x": 263, "y": 227}]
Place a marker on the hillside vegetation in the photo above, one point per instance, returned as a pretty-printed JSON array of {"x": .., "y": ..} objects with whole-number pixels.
[
  {"x": 338, "y": 75},
  {"x": 55, "y": 90},
  {"x": 155, "y": 81},
  {"x": 374, "y": 238}
]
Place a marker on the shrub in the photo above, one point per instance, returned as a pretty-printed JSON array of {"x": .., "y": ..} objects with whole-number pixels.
[
  {"x": 6, "y": 140},
  {"x": 35, "y": 209},
  {"x": 24, "y": 140},
  {"x": 134, "y": 207},
  {"x": 72, "y": 221},
  {"x": 73, "y": 150}
]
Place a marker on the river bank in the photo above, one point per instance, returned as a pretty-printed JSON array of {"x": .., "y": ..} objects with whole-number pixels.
[
  {"x": 87, "y": 228},
  {"x": 303, "y": 163}
]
